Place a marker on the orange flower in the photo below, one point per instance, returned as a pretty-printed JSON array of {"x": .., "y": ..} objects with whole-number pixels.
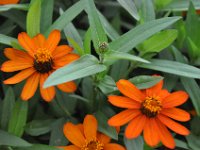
[
  {"x": 4, "y": 2},
  {"x": 86, "y": 137},
  {"x": 40, "y": 58},
  {"x": 150, "y": 111}
]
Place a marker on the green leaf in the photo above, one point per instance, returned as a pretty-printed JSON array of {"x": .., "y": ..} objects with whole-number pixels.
[
  {"x": 7, "y": 108},
  {"x": 193, "y": 141},
  {"x": 104, "y": 127},
  {"x": 173, "y": 67},
  {"x": 87, "y": 41},
  {"x": 76, "y": 46},
  {"x": 85, "y": 66},
  {"x": 165, "y": 38},
  {"x": 11, "y": 140},
  {"x": 181, "y": 144},
  {"x": 134, "y": 144},
  {"x": 14, "y": 6},
  {"x": 129, "y": 5},
  {"x": 147, "y": 11},
  {"x": 161, "y": 4},
  {"x": 38, "y": 127},
  {"x": 7, "y": 40},
  {"x": 39, "y": 147},
  {"x": 97, "y": 30},
  {"x": 18, "y": 118},
  {"x": 140, "y": 33},
  {"x": 33, "y": 18},
  {"x": 67, "y": 16},
  {"x": 144, "y": 81}
]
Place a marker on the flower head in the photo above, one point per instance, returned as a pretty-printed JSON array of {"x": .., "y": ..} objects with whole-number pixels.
[
  {"x": 151, "y": 111},
  {"x": 86, "y": 137},
  {"x": 4, "y": 2},
  {"x": 41, "y": 57}
]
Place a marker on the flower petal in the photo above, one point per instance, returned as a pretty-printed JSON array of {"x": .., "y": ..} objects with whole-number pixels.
[
  {"x": 124, "y": 102},
  {"x": 20, "y": 76},
  {"x": 90, "y": 127},
  {"x": 27, "y": 43},
  {"x": 71, "y": 147},
  {"x": 103, "y": 138},
  {"x": 135, "y": 127},
  {"x": 15, "y": 54},
  {"x": 73, "y": 134},
  {"x": 150, "y": 136},
  {"x": 165, "y": 135},
  {"x": 123, "y": 117},
  {"x": 155, "y": 89},
  {"x": 176, "y": 113},
  {"x": 68, "y": 87},
  {"x": 39, "y": 40},
  {"x": 3, "y": 2},
  {"x": 113, "y": 146},
  {"x": 61, "y": 51},
  {"x": 67, "y": 59},
  {"x": 175, "y": 99},
  {"x": 46, "y": 93},
  {"x": 11, "y": 65},
  {"x": 176, "y": 127},
  {"x": 130, "y": 90},
  {"x": 30, "y": 86},
  {"x": 53, "y": 40}
]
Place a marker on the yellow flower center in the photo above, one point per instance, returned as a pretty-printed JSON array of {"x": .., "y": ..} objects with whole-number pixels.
[
  {"x": 43, "y": 60},
  {"x": 93, "y": 145},
  {"x": 151, "y": 106}
]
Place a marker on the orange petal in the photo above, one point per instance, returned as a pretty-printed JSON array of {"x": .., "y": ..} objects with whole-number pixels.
[
  {"x": 73, "y": 134},
  {"x": 150, "y": 136},
  {"x": 68, "y": 87},
  {"x": 53, "y": 40},
  {"x": 165, "y": 135},
  {"x": 15, "y": 54},
  {"x": 163, "y": 94},
  {"x": 27, "y": 43},
  {"x": 46, "y": 93},
  {"x": 135, "y": 127},
  {"x": 61, "y": 51},
  {"x": 130, "y": 90},
  {"x": 176, "y": 127},
  {"x": 123, "y": 102},
  {"x": 20, "y": 76},
  {"x": 103, "y": 138},
  {"x": 39, "y": 40},
  {"x": 30, "y": 86},
  {"x": 90, "y": 127},
  {"x": 67, "y": 59},
  {"x": 80, "y": 126},
  {"x": 3, "y": 2},
  {"x": 11, "y": 66},
  {"x": 176, "y": 113},
  {"x": 71, "y": 147},
  {"x": 123, "y": 117},
  {"x": 155, "y": 89},
  {"x": 113, "y": 146},
  {"x": 175, "y": 99}
]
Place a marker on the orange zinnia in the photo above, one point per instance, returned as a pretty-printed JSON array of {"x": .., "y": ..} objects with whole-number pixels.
[
  {"x": 86, "y": 137},
  {"x": 4, "y": 2},
  {"x": 40, "y": 58},
  {"x": 150, "y": 111}
]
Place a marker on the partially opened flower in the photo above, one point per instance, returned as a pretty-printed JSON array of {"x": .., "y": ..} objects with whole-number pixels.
[
  {"x": 4, "y": 2},
  {"x": 41, "y": 57},
  {"x": 151, "y": 111},
  {"x": 86, "y": 137}
]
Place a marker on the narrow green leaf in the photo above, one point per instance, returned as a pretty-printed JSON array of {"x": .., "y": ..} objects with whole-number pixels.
[
  {"x": 140, "y": 33},
  {"x": 161, "y": 4},
  {"x": 11, "y": 140},
  {"x": 18, "y": 118},
  {"x": 76, "y": 46},
  {"x": 14, "y": 6},
  {"x": 85, "y": 66},
  {"x": 134, "y": 144},
  {"x": 7, "y": 108},
  {"x": 129, "y": 5},
  {"x": 87, "y": 41},
  {"x": 67, "y": 16},
  {"x": 97, "y": 30},
  {"x": 144, "y": 81},
  {"x": 147, "y": 11},
  {"x": 38, "y": 127},
  {"x": 173, "y": 67},
  {"x": 7, "y": 40},
  {"x": 33, "y": 18},
  {"x": 104, "y": 127}
]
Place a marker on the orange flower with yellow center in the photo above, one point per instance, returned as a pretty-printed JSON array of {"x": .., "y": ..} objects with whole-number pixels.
[
  {"x": 4, "y": 2},
  {"x": 86, "y": 137},
  {"x": 151, "y": 111},
  {"x": 41, "y": 57}
]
